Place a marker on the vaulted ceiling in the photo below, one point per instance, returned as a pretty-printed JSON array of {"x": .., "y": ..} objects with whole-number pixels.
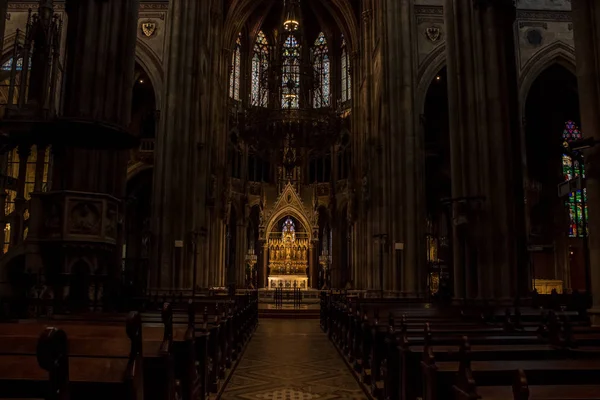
[{"x": 326, "y": 15}]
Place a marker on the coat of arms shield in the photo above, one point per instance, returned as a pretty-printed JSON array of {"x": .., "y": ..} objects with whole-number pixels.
[
  {"x": 149, "y": 28},
  {"x": 433, "y": 33}
]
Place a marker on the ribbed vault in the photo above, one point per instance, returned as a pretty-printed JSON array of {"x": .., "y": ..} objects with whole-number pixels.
[{"x": 254, "y": 12}]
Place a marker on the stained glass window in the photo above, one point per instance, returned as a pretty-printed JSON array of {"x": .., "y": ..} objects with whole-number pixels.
[
  {"x": 7, "y": 66},
  {"x": 234, "y": 74},
  {"x": 346, "y": 74},
  {"x": 260, "y": 64},
  {"x": 572, "y": 167},
  {"x": 5, "y": 81},
  {"x": 322, "y": 68},
  {"x": 290, "y": 80}
]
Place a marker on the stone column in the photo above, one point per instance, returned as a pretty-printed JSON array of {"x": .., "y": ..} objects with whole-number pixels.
[
  {"x": 3, "y": 7},
  {"x": 241, "y": 251},
  {"x": 191, "y": 142},
  {"x": 336, "y": 254},
  {"x": 33, "y": 258},
  {"x": 485, "y": 148},
  {"x": 404, "y": 212},
  {"x": 586, "y": 24},
  {"x": 313, "y": 265},
  {"x": 18, "y": 222},
  {"x": 262, "y": 275}
]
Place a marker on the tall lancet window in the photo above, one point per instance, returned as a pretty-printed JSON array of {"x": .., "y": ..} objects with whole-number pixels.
[
  {"x": 346, "y": 74},
  {"x": 234, "y": 74},
  {"x": 322, "y": 68},
  {"x": 291, "y": 73},
  {"x": 572, "y": 167},
  {"x": 260, "y": 64}
]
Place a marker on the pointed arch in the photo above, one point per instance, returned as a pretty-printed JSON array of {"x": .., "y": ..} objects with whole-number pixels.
[
  {"x": 322, "y": 67},
  {"x": 557, "y": 53},
  {"x": 260, "y": 64},
  {"x": 290, "y": 77},
  {"x": 346, "y": 74},
  {"x": 342, "y": 11},
  {"x": 235, "y": 71}
]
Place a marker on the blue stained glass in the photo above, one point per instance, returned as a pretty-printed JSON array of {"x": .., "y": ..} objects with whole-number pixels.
[
  {"x": 321, "y": 64},
  {"x": 290, "y": 81},
  {"x": 7, "y": 66},
  {"x": 260, "y": 64}
]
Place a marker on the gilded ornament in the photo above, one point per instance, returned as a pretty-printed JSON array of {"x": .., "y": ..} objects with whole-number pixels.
[{"x": 149, "y": 28}]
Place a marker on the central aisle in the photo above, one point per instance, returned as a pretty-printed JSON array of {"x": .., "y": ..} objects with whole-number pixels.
[{"x": 291, "y": 359}]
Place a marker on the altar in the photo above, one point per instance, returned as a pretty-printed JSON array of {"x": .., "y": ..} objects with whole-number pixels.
[
  {"x": 288, "y": 258},
  {"x": 288, "y": 282}
]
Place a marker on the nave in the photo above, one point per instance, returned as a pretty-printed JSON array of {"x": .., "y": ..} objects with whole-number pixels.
[{"x": 291, "y": 359}]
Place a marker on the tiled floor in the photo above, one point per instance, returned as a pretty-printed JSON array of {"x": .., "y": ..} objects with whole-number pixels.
[{"x": 291, "y": 360}]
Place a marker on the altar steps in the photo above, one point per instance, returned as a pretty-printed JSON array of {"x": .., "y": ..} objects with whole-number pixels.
[{"x": 288, "y": 311}]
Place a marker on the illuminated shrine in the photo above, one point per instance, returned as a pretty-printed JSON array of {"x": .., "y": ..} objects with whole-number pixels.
[{"x": 288, "y": 258}]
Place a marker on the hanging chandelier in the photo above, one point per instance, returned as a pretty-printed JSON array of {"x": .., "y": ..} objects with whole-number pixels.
[{"x": 299, "y": 112}]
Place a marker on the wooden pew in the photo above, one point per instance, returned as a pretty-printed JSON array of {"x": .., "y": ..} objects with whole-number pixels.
[
  {"x": 229, "y": 329},
  {"x": 218, "y": 332},
  {"x": 374, "y": 347},
  {"x": 90, "y": 376},
  {"x": 521, "y": 390},
  {"x": 104, "y": 339},
  {"x": 441, "y": 379},
  {"x": 43, "y": 375}
]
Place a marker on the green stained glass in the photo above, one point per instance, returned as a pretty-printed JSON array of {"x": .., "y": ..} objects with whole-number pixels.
[{"x": 573, "y": 168}]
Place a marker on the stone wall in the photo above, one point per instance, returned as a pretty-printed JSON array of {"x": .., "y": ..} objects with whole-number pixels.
[
  {"x": 543, "y": 30},
  {"x": 151, "y": 41}
]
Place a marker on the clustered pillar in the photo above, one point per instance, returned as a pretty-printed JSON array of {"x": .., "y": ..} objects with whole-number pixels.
[
  {"x": 190, "y": 192},
  {"x": 489, "y": 257}
]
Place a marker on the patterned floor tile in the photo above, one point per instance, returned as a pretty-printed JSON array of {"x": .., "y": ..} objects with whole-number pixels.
[{"x": 291, "y": 360}]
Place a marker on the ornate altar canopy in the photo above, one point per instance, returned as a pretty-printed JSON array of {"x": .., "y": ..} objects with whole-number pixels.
[{"x": 288, "y": 258}]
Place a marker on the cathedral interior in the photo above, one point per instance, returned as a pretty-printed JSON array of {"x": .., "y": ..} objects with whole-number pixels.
[{"x": 420, "y": 176}]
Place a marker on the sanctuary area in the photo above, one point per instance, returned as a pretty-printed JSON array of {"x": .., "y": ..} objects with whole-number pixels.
[{"x": 300, "y": 199}]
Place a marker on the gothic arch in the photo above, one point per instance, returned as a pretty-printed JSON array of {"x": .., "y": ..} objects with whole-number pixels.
[
  {"x": 433, "y": 63},
  {"x": 341, "y": 10},
  {"x": 253, "y": 201},
  {"x": 148, "y": 60},
  {"x": 556, "y": 53},
  {"x": 137, "y": 168},
  {"x": 294, "y": 212}
]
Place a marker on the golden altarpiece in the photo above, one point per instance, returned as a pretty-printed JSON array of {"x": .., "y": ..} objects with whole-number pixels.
[
  {"x": 288, "y": 257},
  {"x": 288, "y": 232}
]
